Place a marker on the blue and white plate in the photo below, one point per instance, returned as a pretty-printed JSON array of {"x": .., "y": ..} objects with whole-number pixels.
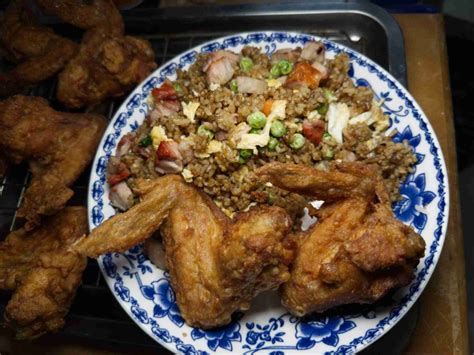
[{"x": 145, "y": 293}]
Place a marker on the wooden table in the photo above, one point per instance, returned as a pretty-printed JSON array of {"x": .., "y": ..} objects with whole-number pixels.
[
  {"x": 442, "y": 320},
  {"x": 442, "y": 323}
]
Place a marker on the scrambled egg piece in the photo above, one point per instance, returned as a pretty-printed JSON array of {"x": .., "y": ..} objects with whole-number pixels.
[
  {"x": 338, "y": 117},
  {"x": 158, "y": 135},
  {"x": 189, "y": 109},
  {"x": 273, "y": 83},
  {"x": 213, "y": 147},
  {"x": 187, "y": 175},
  {"x": 214, "y": 86},
  {"x": 373, "y": 117}
]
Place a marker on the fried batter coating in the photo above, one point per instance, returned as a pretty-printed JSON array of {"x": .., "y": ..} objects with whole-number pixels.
[
  {"x": 357, "y": 251},
  {"x": 217, "y": 265},
  {"x": 86, "y": 14},
  {"x": 38, "y": 50},
  {"x": 57, "y": 145},
  {"x": 43, "y": 273},
  {"x": 106, "y": 66}
]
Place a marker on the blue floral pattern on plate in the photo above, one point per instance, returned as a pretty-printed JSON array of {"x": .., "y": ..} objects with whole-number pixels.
[
  {"x": 325, "y": 330},
  {"x": 145, "y": 292}
]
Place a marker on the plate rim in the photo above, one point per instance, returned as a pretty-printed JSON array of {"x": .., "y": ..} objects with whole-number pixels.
[{"x": 408, "y": 96}]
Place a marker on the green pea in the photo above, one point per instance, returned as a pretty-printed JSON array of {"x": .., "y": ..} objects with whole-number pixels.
[
  {"x": 204, "y": 131},
  {"x": 145, "y": 142},
  {"x": 285, "y": 66},
  {"x": 177, "y": 87},
  {"x": 275, "y": 71},
  {"x": 245, "y": 153},
  {"x": 246, "y": 64},
  {"x": 328, "y": 154},
  {"x": 277, "y": 129},
  {"x": 257, "y": 119},
  {"x": 323, "y": 109},
  {"x": 297, "y": 141},
  {"x": 233, "y": 86},
  {"x": 329, "y": 95},
  {"x": 326, "y": 136},
  {"x": 272, "y": 143},
  {"x": 255, "y": 131}
]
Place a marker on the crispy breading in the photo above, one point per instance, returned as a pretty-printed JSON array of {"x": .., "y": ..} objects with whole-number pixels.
[
  {"x": 107, "y": 65},
  {"x": 43, "y": 272},
  {"x": 217, "y": 265},
  {"x": 86, "y": 14},
  {"x": 357, "y": 251},
  {"x": 39, "y": 52},
  {"x": 58, "y": 146}
]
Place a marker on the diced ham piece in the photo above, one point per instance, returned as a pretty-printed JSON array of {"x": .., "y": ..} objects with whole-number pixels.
[
  {"x": 292, "y": 55},
  {"x": 304, "y": 74},
  {"x": 322, "y": 69},
  {"x": 313, "y": 52},
  {"x": 169, "y": 166},
  {"x": 165, "y": 92},
  {"x": 168, "y": 158},
  {"x": 164, "y": 109},
  {"x": 123, "y": 146},
  {"x": 249, "y": 85},
  {"x": 215, "y": 56},
  {"x": 220, "y": 67},
  {"x": 186, "y": 150},
  {"x": 117, "y": 171},
  {"x": 121, "y": 196},
  {"x": 313, "y": 131}
]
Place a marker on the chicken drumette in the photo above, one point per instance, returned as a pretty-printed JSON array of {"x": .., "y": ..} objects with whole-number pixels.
[
  {"x": 357, "y": 251},
  {"x": 109, "y": 63},
  {"x": 217, "y": 265},
  {"x": 58, "y": 146},
  {"x": 37, "y": 50},
  {"x": 42, "y": 272}
]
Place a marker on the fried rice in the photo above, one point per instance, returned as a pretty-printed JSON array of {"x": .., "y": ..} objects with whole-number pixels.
[{"x": 231, "y": 113}]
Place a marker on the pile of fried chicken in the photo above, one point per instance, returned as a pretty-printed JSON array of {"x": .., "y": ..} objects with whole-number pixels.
[
  {"x": 355, "y": 253},
  {"x": 36, "y": 260}
]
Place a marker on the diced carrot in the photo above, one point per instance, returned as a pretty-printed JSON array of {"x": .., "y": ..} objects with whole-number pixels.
[{"x": 267, "y": 107}]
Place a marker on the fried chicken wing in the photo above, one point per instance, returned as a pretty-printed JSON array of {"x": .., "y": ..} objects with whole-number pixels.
[
  {"x": 217, "y": 265},
  {"x": 106, "y": 66},
  {"x": 87, "y": 14},
  {"x": 43, "y": 273},
  {"x": 57, "y": 145},
  {"x": 357, "y": 251},
  {"x": 39, "y": 52}
]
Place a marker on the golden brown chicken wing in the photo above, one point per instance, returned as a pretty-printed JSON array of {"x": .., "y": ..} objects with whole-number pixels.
[
  {"x": 57, "y": 145},
  {"x": 357, "y": 251},
  {"x": 39, "y": 52},
  {"x": 217, "y": 265},
  {"x": 86, "y": 14},
  {"x": 43, "y": 273},
  {"x": 107, "y": 65}
]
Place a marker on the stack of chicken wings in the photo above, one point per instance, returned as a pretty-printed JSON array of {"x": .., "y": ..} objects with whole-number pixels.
[
  {"x": 355, "y": 253},
  {"x": 36, "y": 260}
]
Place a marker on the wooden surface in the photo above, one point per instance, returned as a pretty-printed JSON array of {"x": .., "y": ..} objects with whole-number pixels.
[{"x": 442, "y": 323}]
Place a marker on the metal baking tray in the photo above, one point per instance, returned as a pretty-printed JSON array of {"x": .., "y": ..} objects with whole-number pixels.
[{"x": 359, "y": 25}]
